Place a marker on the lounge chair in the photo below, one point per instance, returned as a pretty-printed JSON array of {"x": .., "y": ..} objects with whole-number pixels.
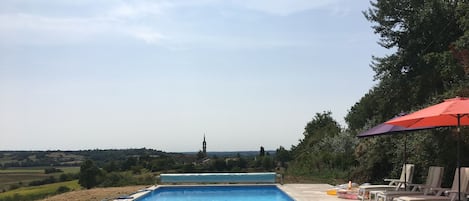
[
  {"x": 394, "y": 184},
  {"x": 434, "y": 177},
  {"x": 445, "y": 194}
]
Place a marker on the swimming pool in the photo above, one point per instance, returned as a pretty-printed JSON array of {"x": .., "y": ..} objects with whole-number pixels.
[{"x": 217, "y": 193}]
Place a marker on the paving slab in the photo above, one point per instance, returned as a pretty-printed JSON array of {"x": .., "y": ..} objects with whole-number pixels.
[{"x": 309, "y": 192}]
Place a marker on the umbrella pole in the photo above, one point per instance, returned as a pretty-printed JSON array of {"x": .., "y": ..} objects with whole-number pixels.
[
  {"x": 405, "y": 162},
  {"x": 459, "y": 163}
]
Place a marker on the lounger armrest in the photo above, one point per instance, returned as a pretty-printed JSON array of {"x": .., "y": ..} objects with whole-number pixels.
[
  {"x": 425, "y": 189},
  {"x": 418, "y": 187},
  {"x": 463, "y": 194},
  {"x": 451, "y": 191},
  {"x": 440, "y": 191},
  {"x": 394, "y": 181}
]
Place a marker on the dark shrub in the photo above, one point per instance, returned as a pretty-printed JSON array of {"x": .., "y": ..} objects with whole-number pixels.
[
  {"x": 52, "y": 170},
  {"x": 63, "y": 189}
]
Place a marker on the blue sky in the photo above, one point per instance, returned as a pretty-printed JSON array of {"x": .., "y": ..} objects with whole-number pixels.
[{"x": 160, "y": 74}]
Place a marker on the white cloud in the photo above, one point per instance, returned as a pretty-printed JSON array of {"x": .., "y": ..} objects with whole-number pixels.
[
  {"x": 136, "y": 10},
  {"x": 142, "y": 20},
  {"x": 34, "y": 29},
  {"x": 284, "y": 7},
  {"x": 26, "y": 28},
  {"x": 32, "y": 23},
  {"x": 340, "y": 11},
  {"x": 149, "y": 36}
]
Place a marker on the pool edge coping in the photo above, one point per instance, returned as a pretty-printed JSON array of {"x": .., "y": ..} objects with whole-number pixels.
[{"x": 145, "y": 191}]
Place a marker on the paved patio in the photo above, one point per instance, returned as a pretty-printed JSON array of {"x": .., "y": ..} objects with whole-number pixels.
[{"x": 309, "y": 192}]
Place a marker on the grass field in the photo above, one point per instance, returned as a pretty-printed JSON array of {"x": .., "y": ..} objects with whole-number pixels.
[
  {"x": 37, "y": 170},
  {"x": 39, "y": 191},
  {"x": 22, "y": 176},
  {"x": 22, "y": 170}
]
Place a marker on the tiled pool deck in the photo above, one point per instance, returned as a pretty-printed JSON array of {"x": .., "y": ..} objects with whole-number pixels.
[
  {"x": 299, "y": 192},
  {"x": 309, "y": 192}
]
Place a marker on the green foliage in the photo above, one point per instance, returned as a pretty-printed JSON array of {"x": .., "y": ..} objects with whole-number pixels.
[
  {"x": 422, "y": 67},
  {"x": 136, "y": 169},
  {"x": 52, "y": 170},
  {"x": 23, "y": 176},
  {"x": 282, "y": 156},
  {"x": 14, "y": 186},
  {"x": 63, "y": 189},
  {"x": 48, "y": 180},
  {"x": 321, "y": 126},
  {"x": 115, "y": 179},
  {"x": 430, "y": 63},
  {"x": 267, "y": 163},
  {"x": 200, "y": 155},
  {"x": 161, "y": 163},
  {"x": 188, "y": 168},
  {"x": 89, "y": 174},
  {"x": 38, "y": 192},
  {"x": 262, "y": 152},
  {"x": 68, "y": 177},
  {"x": 111, "y": 166},
  {"x": 218, "y": 164},
  {"x": 324, "y": 150},
  {"x": 462, "y": 16},
  {"x": 127, "y": 165}
]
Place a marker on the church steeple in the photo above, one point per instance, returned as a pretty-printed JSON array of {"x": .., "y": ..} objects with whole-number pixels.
[{"x": 204, "y": 147}]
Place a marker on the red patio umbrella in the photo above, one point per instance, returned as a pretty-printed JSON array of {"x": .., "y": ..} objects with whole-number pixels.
[{"x": 451, "y": 112}]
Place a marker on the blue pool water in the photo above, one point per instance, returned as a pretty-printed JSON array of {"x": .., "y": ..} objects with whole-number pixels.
[{"x": 217, "y": 193}]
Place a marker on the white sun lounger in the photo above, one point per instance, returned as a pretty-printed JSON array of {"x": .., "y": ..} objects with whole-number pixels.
[
  {"x": 434, "y": 178},
  {"x": 364, "y": 191},
  {"x": 450, "y": 194}
]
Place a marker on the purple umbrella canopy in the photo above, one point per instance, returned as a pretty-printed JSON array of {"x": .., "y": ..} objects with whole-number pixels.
[{"x": 384, "y": 128}]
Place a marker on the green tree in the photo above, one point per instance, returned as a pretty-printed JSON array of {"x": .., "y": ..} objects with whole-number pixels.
[
  {"x": 262, "y": 152},
  {"x": 429, "y": 64},
  {"x": 219, "y": 164},
  {"x": 267, "y": 163},
  {"x": 322, "y": 125},
  {"x": 242, "y": 162},
  {"x": 283, "y": 156},
  {"x": 52, "y": 170},
  {"x": 63, "y": 189},
  {"x": 89, "y": 174},
  {"x": 162, "y": 163},
  {"x": 111, "y": 166},
  {"x": 422, "y": 67},
  {"x": 131, "y": 161},
  {"x": 187, "y": 168},
  {"x": 200, "y": 155},
  {"x": 309, "y": 155}
]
